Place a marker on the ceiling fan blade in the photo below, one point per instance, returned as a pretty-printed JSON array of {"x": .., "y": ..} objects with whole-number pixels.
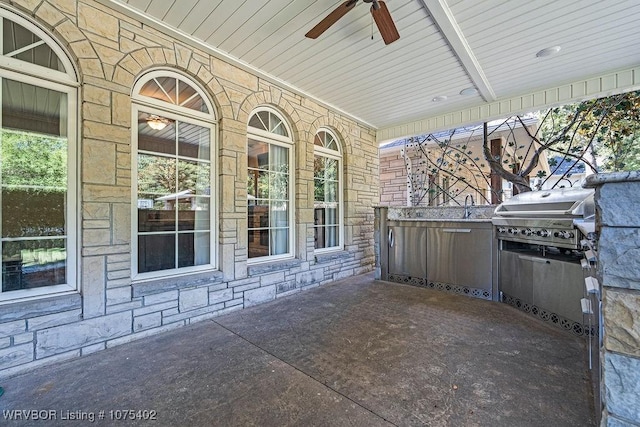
[
  {"x": 331, "y": 19},
  {"x": 385, "y": 24}
]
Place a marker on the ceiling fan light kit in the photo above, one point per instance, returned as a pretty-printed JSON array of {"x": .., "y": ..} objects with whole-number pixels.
[{"x": 379, "y": 12}]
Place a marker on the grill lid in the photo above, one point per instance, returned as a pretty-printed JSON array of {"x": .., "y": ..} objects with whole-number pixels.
[{"x": 557, "y": 203}]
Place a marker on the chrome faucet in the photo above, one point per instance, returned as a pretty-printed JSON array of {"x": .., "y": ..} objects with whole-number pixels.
[{"x": 467, "y": 210}]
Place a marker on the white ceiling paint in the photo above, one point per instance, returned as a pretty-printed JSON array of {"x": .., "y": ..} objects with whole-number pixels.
[{"x": 445, "y": 46}]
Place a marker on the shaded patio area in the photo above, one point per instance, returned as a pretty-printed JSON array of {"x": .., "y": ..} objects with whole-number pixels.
[{"x": 357, "y": 352}]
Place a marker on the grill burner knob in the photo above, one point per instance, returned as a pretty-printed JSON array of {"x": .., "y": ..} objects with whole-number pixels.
[
  {"x": 527, "y": 232},
  {"x": 563, "y": 234},
  {"x": 543, "y": 233},
  {"x": 502, "y": 230},
  {"x": 513, "y": 231}
]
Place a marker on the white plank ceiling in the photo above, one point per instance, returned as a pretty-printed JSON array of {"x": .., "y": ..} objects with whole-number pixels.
[{"x": 445, "y": 46}]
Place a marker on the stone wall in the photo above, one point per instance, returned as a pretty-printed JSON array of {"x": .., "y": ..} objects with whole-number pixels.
[
  {"x": 618, "y": 203},
  {"x": 110, "y": 51},
  {"x": 393, "y": 179}
]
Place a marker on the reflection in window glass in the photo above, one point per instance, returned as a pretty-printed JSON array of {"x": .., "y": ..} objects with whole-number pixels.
[
  {"x": 173, "y": 195},
  {"x": 33, "y": 179},
  {"x": 268, "y": 189},
  {"x": 327, "y": 200}
]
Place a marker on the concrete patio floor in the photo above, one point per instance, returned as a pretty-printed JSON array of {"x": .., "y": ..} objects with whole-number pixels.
[{"x": 357, "y": 352}]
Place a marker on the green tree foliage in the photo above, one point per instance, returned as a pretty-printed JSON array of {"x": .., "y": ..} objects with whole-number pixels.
[{"x": 34, "y": 160}]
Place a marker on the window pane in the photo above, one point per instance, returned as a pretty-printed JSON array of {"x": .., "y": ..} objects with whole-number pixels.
[
  {"x": 260, "y": 120},
  {"x": 156, "y": 252},
  {"x": 279, "y": 159},
  {"x": 15, "y": 37},
  {"x": 258, "y": 243},
  {"x": 330, "y": 191},
  {"x": 258, "y": 214},
  {"x": 279, "y": 241},
  {"x": 193, "y": 141},
  {"x": 331, "y": 215},
  {"x": 33, "y": 109},
  {"x": 318, "y": 167},
  {"x": 164, "y": 90},
  {"x": 156, "y": 193},
  {"x": 195, "y": 216},
  {"x": 33, "y": 212},
  {"x": 279, "y": 214},
  {"x": 156, "y": 140},
  {"x": 258, "y": 154},
  {"x": 194, "y": 178},
  {"x": 331, "y": 169},
  {"x": 279, "y": 186},
  {"x": 193, "y": 249},
  {"x": 152, "y": 89},
  {"x": 30, "y": 264}
]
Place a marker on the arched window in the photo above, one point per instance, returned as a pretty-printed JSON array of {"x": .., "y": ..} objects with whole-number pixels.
[
  {"x": 37, "y": 162},
  {"x": 327, "y": 195},
  {"x": 174, "y": 149},
  {"x": 269, "y": 186}
]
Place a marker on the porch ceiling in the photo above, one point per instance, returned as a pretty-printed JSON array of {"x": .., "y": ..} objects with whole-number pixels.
[{"x": 445, "y": 46}]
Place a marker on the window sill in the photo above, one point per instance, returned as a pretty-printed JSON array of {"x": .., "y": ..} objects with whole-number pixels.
[
  {"x": 156, "y": 286},
  {"x": 268, "y": 267},
  {"x": 332, "y": 256},
  {"x": 40, "y": 307}
]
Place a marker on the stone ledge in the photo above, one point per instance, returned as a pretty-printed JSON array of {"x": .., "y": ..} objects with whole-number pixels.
[
  {"x": 160, "y": 285},
  {"x": 332, "y": 256},
  {"x": 41, "y": 307},
  {"x": 258, "y": 269}
]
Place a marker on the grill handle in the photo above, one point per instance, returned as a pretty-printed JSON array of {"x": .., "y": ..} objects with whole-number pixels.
[{"x": 534, "y": 259}]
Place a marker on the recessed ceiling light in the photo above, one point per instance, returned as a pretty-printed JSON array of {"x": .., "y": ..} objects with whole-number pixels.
[
  {"x": 439, "y": 98},
  {"x": 469, "y": 91},
  {"x": 548, "y": 51}
]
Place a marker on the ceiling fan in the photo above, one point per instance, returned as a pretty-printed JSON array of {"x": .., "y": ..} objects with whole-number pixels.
[{"x": 380, "y": 14}]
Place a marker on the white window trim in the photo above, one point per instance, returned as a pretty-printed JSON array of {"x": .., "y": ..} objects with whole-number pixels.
[
  {"x": 286, "y": 142},
  {"x": 186, "y": 115},
  {"x": 336, "y": 155},
  {"x": 44, "y": 77}
]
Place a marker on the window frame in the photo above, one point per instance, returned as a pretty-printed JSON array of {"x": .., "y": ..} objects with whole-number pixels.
[
  {"x": 63, "y": 82},
  {"x": 319, "y": 151},
  {"x": 144, "y": 104},
  {"x": 288, "y": 143}
]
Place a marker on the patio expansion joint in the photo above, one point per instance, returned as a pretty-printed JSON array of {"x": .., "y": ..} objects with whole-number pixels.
[{"x": 304, "y": 373}]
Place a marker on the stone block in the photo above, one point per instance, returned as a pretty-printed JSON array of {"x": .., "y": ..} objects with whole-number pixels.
[
  {"x": 273, "y": 278},
  {"x": 191, "y": 299},
  {"x": 612, "y": 421},
  {"x": 118, "y": 295},
  {"x": 16, "y": 355},
  {"x": 12, "y": 328},
  {"x": 619, "y": 257},
  {"x": 156, "y": 308},
  {"x": 23, "y": 338},
  {"x": 310, "y": 277},
  {"x": 148, "y": 321},
  {"x": 5, "y": 342},
  {"x": 98, "y": 22},
  {"x": 51, "y": 320},
  {"x": 160, "y": 297},
  {"x": 616, "y": 201},
  {"x": 92, "y": 348},
  {"x": 259, "y": 295},
  {"x": 220, "y": 296},
  {"x": 77, "y": 335},
  {"x": 622, "y": 386},
  {"x": 99, "y": 158},
  {"x": 93, "y": 278},
  {"x": 621, "y": 321}
]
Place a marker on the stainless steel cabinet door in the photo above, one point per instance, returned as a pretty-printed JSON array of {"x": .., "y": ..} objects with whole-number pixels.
[{"x": 408, "y": 251}]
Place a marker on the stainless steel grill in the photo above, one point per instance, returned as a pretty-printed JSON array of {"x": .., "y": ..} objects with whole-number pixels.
[{"x": 559, "y": 218}]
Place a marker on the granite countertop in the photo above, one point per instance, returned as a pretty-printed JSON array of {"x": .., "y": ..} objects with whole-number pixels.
[
  {"x": 482, "y": 213},
  {"x": 606, "y": 178}
]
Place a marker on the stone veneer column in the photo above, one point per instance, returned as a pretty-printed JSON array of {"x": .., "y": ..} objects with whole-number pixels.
[{"x": 618, "y": 224}]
